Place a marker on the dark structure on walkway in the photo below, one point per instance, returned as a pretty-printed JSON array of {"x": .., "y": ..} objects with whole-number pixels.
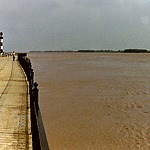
[{"x": 37, "y": 128}]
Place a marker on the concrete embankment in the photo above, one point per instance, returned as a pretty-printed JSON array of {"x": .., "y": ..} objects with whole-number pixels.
[{"x": 15, "y": 125}]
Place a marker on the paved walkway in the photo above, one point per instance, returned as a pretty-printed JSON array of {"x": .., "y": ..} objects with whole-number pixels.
[{"x": 15, "y": 132}]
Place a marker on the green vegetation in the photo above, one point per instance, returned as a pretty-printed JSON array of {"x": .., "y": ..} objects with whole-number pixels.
[
  {"x": 136, "y": 51},
  {"x": 102, "y": 51}
]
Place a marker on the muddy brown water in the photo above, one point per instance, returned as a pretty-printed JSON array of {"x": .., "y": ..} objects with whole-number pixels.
[{"x": 94, "y": 101}]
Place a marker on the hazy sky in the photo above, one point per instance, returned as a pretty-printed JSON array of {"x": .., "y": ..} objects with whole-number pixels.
[{"x": 75, "y": 24}]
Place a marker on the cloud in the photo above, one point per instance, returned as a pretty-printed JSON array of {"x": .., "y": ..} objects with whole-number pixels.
[{"x": 74, "y": 24}]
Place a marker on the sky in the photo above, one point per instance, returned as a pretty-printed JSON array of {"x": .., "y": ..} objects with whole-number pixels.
[{"x": 43, "y": 25}]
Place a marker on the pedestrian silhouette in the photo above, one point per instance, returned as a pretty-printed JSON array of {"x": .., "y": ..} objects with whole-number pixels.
[{"x": 13, "y": 54}]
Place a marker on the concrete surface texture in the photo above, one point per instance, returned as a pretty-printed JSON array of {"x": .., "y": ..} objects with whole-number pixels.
[{"x": 15, "y": 125}]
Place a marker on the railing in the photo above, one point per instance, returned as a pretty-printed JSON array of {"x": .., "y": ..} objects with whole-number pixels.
[{"x": 39, "y": 140}]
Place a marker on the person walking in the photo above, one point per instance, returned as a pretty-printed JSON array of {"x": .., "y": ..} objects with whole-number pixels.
[{"x": 13, "y": 55}]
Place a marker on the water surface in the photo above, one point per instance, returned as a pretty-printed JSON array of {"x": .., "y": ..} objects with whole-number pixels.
[{"x": 94, "y": 101}]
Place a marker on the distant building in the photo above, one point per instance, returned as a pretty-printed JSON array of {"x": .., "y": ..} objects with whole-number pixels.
[{"x": 1, "y": 42}]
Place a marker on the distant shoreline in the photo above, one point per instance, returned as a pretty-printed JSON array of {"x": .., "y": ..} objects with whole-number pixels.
[{"x": 102, "y": 51}]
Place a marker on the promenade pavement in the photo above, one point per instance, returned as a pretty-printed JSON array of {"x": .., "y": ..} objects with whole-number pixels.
[{"x": 15, "y": 125}]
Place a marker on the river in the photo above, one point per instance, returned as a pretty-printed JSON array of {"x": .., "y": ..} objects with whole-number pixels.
[{"x": 94, "y": 101}]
